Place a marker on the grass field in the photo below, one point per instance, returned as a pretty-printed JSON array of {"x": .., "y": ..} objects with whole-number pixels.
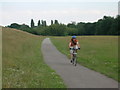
[
  {"x": 22, "y": 63},
  {"x": 99, "y": 53}
]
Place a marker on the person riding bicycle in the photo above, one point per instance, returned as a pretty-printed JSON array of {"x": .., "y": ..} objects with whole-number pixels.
[{"x": 74, "y": 44}]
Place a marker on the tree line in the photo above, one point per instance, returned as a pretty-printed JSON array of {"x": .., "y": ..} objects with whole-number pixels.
[{"x": 106, "y": 26}]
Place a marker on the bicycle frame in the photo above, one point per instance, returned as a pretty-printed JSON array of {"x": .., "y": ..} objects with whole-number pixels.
[{"x": 75, "y": 57}]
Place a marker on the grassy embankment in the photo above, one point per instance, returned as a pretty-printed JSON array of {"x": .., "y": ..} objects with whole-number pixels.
[
  {"x": 22, "y": 63},
  {"x": 99, "y": 53}
]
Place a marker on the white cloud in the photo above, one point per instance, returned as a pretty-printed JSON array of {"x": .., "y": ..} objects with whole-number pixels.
[
  {"x": 64, "y": 16},
  {"x": 64, "y": 13}
]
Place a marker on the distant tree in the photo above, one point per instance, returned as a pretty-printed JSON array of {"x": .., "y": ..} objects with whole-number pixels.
[
  {"x": 14, "y": 25},
  {"x": 51, "y": 22},
  {"x": 89, "y": 28},
  {"x": 57, "y": 30},
  {"x": 32, "y": 23},
  {"x": 72, "y": 31},
  {"x": 81, "y": 28},
  {"x": 39, "y": 23},
  {"x": 73, "y": 22},
  {"x": 98, "y": 27},
  {"x": 106, "y": 26},
  {"x": 71, "y": 25},
  {"x": 25, "y": 28},
  {"x": 56, "y": 22},
  {"x": 45, "y": 24},
  {"x": 107, "y": 23}
]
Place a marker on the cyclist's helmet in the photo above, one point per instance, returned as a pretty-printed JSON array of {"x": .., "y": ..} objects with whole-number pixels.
[{"x": 73, "y": 37}]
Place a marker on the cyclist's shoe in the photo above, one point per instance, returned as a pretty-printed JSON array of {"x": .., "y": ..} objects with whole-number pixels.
[{"x": 71, "y": 61}]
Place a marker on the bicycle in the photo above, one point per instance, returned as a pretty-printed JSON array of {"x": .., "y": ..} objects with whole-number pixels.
[{"x": 74, "y": 59}]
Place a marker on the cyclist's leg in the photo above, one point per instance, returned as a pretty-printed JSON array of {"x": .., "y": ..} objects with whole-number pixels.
[
  {"x": 71, "y": 55},
  {"x": 75, "y": 61},
  {"x": 75, "y": 58}
]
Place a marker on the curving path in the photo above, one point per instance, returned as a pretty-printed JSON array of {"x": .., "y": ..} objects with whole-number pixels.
[{"x": 74, "y": 77}]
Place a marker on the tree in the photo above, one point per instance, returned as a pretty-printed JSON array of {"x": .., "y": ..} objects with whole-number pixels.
[
  {"x": 25, "y": 28},
  {"x": 57, "y": 30},
  {"x": 32, "y": 23},
  {"x": 89, "y": 28},
  {"x": 106, "y": 26},
  {"x": 14, "y": 25},
  {"x": 107, "y": 22},
  {"x": 56, "y": 22},
  {"x": 71, "y": 31},
  {"x": 71, "y": 25},
  {"x": 45, "y": 24},
  {"x": 51, "y": 22},
  {"x": 39, "y": 23},
  {"x": 81, "y": 28},
  {"x": 42, "y": 22},
  {"x": 98, "y": 27}
]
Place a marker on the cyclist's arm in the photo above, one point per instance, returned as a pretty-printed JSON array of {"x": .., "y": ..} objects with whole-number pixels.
[
  {"x": 69, "y": 44},
  {"x": 78, "y": 44}
]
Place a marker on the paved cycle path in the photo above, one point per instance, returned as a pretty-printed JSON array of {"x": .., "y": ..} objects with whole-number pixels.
[{"x": 74, "y": 76}]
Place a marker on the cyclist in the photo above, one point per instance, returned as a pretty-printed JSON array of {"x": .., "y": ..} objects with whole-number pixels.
[{"x": 74, "y": 44}]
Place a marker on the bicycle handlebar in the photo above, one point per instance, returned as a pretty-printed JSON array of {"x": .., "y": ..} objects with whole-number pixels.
[{"x": 74, "y": 49}]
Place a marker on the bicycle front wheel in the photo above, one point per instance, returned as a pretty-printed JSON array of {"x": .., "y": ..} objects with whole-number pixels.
[{"x": 75, "y": 60}]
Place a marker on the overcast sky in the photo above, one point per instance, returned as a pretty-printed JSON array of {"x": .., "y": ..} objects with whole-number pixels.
[{"x": 65, "y": 11}]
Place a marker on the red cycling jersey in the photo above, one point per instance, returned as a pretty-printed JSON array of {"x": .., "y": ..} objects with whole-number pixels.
[{"x": 73, "y": 42}]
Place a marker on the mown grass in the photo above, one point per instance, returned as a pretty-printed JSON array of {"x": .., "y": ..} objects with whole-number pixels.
[
  {"x": 23, "y": 65},
  {"x": 99, "y": 53}
]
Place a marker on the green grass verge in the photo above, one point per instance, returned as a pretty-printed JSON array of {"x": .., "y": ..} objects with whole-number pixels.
[
  {"x": 23, "y": 65},
  {"x": 99, "y": 53}
]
